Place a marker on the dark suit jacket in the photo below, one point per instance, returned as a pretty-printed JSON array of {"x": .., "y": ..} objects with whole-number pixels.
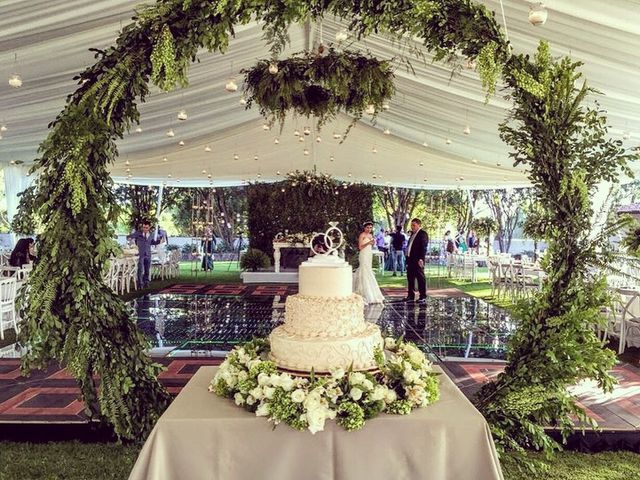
[{"x": 419, "y": 247}]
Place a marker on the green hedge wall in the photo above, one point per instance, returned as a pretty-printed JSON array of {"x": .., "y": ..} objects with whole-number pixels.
[{"x": 307, "y": 204}]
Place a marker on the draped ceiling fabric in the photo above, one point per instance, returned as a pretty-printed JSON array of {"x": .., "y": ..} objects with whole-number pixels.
[{"x": 51, "y": 41}]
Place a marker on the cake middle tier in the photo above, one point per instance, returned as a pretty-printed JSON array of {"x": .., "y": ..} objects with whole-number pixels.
[
  {"x": 321, "y": 317},
  {"x": 325, "y": 279}
]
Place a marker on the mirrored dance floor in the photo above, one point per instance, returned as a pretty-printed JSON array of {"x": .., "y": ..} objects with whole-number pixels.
[{"x": 210, "y": 325}]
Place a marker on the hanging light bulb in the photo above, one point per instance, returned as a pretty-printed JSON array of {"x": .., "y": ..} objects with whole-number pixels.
[
  {"x": 422, "y": 164},
  {"x": 467, "y": 130},
  {"x": 538, "y": 14},
  {"x": 139, "y": 130},
  {"x": 169, "y": 176},
  {"x": 273, "y": 68},
  {"x": 3, "y": 128},
  {"x": 209, "y": 176},
  {"x": 306, "y": 152},
  {"x": 181, "y": 143},
  {"x": 127, "y": 163},
  {"x": 255, "y": 157},
  {"x": 207, "y": 149},
  {"x": 296, "y": 132},
  {"x": 371, "y": 109},
  {"x": 341, "y": 35},
  {"x": 337, "y": 136},
  {"x": 448, "y": 141},
  {"x": 165, "y": 159},
  {"x": 349, "y": 174},
  {"x": 259, "y": 175},
  {"x": 306, "y": 131},
  {"x": 282, "y": 190},
  {"x": 387, "y": 131},
  {"x": 385, "y": 106},
  {"x": 170, "y": 133},
  {"x": 235, "y": 156},
  {"x": 128, "y": 170},
  {"x": 278, "y": 172},
  {"x": 374, "y": 150},
  {"x": 276, "y": 141},
  {"x": 498, "y": 164},
  {"x": 474, "y": 160},
  {"x": 318, "y": 139},
  {"x": 332, "y": 158},
  {"x": 461, "y": 179},
  {"x": 204, "y": 172},
  {"x": 626, "y": 135},
  {"x": 425, "y": 144},
  {"x": 231, "y": 85},
  {"x": 182, "y": 115},
  {"x": 300, "y": 139},
  {"x": 266, "y": 127},
  {"x": 243, "y": 101}
]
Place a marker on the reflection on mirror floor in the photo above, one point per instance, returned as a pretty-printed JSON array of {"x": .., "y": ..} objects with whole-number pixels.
[{"x": 209, "y": 325}]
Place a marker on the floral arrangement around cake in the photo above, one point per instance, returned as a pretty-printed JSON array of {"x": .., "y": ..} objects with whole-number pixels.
[{"x": 404, "y": 381}]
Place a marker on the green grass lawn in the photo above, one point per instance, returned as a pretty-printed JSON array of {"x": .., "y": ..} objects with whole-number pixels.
[{"x": 97, "y": 461}]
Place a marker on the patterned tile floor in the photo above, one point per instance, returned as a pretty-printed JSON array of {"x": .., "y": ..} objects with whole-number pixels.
[{"x": 193, "y": 325}]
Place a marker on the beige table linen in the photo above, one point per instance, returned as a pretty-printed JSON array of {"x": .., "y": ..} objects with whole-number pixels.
[{"x": 203, "y": 436}]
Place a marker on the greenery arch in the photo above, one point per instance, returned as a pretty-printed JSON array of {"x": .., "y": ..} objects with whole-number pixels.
[{"x": 76, "y": 319}]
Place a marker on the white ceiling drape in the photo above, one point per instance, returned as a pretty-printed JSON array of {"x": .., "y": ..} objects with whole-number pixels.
[{"x": 51, "y": 41}]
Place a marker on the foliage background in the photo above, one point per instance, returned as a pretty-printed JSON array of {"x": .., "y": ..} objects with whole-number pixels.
[{"x": 306, "y": 206}]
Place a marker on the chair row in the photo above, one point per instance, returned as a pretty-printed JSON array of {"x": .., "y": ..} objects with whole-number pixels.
[{"x": 512, "y": 278}]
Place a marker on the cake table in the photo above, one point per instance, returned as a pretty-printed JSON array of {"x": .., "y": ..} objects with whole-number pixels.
[{"x": 203, "y": 436}]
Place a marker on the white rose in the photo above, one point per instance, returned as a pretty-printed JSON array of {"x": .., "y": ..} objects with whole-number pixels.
[
  {"x": 334, "y": 393},
  {"x": 389, "y": 343},
  {"x": 313, "y": 400},
  {"x": 300, "y": 382},
  {"x": 263, "y": 379},
  {"x": 316, "y": 419},
  {"x": 367, "y": 384},
  {"x": 239, "y": 399},
  {"x": 286, "y": 382},
  {"x": 268, "y": 392},
  {"x": 410, "y": 375},
  {"x": 337, "y": 373},
  {"x": 274, "y": 379},
  {"x": 356, "y": 378},
  {"x": 355, "y": 393},
  {"x": 379, "y": 393},
  {"x": 250, "y": 400},
  {"x": 257, "y": 393},
  {"x": 298, "y": 396},
  {"x": 263, "y": 410},
  {"x": 416, "y": 395},
  {"x": 417, "y": 357},
  {"x": 391, "y": 396}
]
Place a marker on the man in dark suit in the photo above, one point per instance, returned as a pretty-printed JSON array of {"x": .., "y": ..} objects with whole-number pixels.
[
  {"x": 415, "y": 261},
  {"x": 144, "y": 240}
]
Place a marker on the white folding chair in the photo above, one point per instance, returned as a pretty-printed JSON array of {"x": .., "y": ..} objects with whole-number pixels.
[{"x": 8, "y": 287}]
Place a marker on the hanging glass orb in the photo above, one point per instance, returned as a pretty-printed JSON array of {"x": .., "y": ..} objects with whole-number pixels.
[
  {"x": 182, "y": 115},
  {"x": 15, "y": 80},
  {"x": 273, "y": 68},
  {"x": 231, "y": 86}
]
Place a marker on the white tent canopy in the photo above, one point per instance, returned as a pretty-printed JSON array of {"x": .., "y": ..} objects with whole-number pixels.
[{"x": 51, "y": 41}]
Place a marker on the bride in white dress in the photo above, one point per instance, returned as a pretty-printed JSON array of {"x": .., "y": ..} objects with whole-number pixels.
[{"x": 364, "y": 280}]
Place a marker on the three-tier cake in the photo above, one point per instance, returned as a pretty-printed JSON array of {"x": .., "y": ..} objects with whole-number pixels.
[{"x": 324, "y": 326}]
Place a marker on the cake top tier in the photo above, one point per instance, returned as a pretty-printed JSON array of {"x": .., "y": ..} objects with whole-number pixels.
[{"x": 325, "y": 278}]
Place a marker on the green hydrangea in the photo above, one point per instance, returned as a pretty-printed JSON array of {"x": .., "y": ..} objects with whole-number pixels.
[
  {"x": 350, "y": 416},
  {"x": 400, "y": 407}
]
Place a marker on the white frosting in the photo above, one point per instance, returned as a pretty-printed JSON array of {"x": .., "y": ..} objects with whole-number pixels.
[
  {"x": 324, "y": 317},
  {"x": 324, "y": 354},
  {"x": 325, "y": 279}
]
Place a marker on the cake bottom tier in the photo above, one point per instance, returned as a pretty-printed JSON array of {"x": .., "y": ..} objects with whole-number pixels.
[{"x": 324, "y": 354}]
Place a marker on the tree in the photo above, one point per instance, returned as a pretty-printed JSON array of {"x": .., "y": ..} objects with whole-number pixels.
[
  {"x": 462, "y": 203},
  {"x": 506, "y": 209},
  {"x": 399, "y": 204},
  {"x": 141, "y": 201},
  {"x": 226, "y": 217}
]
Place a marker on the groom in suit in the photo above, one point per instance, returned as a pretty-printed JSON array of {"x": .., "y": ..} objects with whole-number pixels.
[{"x": 415, "y": 261}]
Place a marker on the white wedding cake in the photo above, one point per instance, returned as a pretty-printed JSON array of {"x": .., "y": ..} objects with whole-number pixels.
[{"x": 324, "y": 326}]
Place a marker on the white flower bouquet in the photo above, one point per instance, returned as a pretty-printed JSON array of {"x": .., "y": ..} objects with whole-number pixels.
[{"x": 405, "y": 380}]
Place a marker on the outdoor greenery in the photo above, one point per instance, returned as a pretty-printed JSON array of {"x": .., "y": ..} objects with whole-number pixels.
[
  {"x": 565, "y": 146},
  {"x": 306, "y": 203},
  {"x": 254, "y": 260}
]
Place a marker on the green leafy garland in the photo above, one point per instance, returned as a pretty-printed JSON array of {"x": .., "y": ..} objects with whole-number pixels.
[
  {"x": 405, "y": 381},
  {"x": 565, "y": 146},
  {"x": 319, "y": 85}
]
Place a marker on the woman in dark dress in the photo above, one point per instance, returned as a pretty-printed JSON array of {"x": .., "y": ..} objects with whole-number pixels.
[{"x": 21, "y": 254}]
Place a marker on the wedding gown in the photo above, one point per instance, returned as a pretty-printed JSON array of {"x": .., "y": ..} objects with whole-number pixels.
[{"x": 364, "y": 280}]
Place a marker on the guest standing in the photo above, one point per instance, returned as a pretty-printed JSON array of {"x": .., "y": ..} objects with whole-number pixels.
[
  {"x": 144, "y": 240},
  {"x": 397, "y": 250},
  {"x": 415, "y": 262}
]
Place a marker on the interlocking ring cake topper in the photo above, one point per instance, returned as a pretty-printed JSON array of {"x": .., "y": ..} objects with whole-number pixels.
[{"x": 327, "y": 243}]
